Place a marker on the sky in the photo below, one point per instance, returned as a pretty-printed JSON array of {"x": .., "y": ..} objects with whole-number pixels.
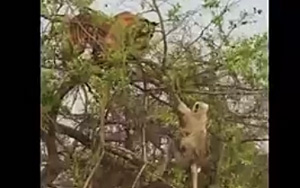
[
  {"x": 115, "y": 6},
  {"x": 112, "y": 7}
]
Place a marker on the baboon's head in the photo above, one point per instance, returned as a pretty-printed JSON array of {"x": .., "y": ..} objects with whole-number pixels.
[{"x": 200, "y": 106}]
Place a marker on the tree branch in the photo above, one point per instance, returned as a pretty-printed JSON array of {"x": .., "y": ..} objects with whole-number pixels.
[
  {"x": 153, "y": 96},
  {"x": 83, "y": 139},
  {"x": 87, "y": 182},
  {"x": 54, "y": 165},
  {"x": 222, "y": 92},
  {"x": 163, "y": 31},
  {"x": 139, "y": 175},
  {"x": 55, "y": 18},
  {"x": 255, "y": 140}
]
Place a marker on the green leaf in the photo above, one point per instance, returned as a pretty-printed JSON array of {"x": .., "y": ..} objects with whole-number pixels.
[
  {"x": 217, "y": 20},
  {"x": 82, "y": 3},
  {"x": 211, "y": 3},
  {"x": 173, "y": 14},
  {"x": 249, "y": 58}
]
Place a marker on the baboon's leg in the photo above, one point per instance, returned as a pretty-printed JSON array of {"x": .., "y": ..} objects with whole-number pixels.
[{"x": 194, "y": 170}]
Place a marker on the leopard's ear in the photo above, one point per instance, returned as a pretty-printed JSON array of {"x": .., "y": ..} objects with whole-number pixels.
[
  {"x": 154, "y": 24},
  {"x": 150, "y": 23},
  {"x": 126, "y": 18}
]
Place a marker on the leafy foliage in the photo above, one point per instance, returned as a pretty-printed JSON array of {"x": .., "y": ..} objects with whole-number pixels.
[
  {"x": 123, "y": 97},
  {"x": 249, "y": 58}
]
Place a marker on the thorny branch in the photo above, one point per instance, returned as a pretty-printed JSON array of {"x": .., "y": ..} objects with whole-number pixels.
[
  {"x": 139, "y": 175},
  {"x": 163, "y": 32},
  {"x": 255, "y": 140},
  {"x": 260, "y": 126},
  {"x": 54, "y": 165},
  {"x": 87, "y": 182},
  {"x": 153, "y": 96},
  {"x": 55, "y": 18},
  {"x": 221, "y": 92},
  {"x": 145, "y": 104},
  {"x": 119, "y": 151}
]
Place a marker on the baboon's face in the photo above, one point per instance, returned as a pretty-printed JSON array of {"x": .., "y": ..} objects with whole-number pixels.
[{"x": 200, "y": 107}]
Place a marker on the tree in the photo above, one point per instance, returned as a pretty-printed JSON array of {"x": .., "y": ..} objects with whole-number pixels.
[{"x": 117, "y": 138}]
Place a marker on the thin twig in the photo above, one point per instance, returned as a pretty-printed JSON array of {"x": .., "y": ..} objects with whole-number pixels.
[
  {"x": 241, "y": 121},
  {"x": 84, "y": 99},
  {"x": 222, "y": 92},
  {"x": 162, "y": 179},
  {"x": 75, "y": 96},
  {"x": 145, "y": 103},
  {"x": 153, "y": 96},
  {"x": 139, "y": 175},
  {"x": 53, "y": 18},
  {"x": 87, "y": 182},
  {"x": 163, "y": 31},
  {"x": 255, "y": 140},
  {"x": 206, "y": 27},
  {"x": 54, "y": 166}
]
